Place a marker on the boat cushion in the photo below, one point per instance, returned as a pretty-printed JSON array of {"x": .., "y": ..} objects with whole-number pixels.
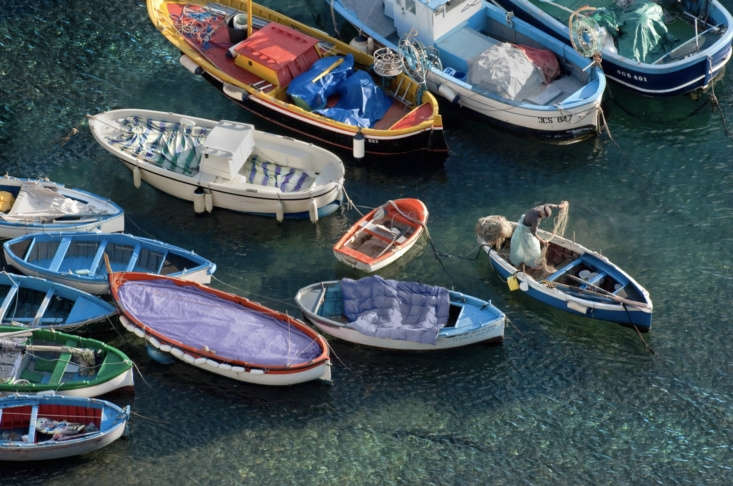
[
  {"x": 266, "y": 173},
  {"x": 167, "y": 144},
  {"x": 391, "y": 309}
]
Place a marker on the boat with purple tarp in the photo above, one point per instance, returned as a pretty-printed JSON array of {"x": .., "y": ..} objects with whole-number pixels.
[{"x": 219, "y": 332}]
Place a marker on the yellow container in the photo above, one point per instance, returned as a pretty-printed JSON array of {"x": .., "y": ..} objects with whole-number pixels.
[
  {"x": 512, "y": 282},
  {"x": 6, "y": 201}
]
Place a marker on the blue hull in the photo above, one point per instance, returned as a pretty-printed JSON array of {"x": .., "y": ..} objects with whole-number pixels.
[
  {"x": 629, "y": 317},
  {"x": 690, "y": 74}
]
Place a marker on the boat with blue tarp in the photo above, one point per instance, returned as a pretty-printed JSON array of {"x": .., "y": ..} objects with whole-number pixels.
[
  {"x": 400, "y": 315},
  {"x": 261, "y": 60}
]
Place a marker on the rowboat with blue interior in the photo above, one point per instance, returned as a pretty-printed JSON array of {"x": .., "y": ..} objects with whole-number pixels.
[
  {"x": 477, "y": 55},
  {"x": 223, "y": 163},
  {"x": 399, "y": 315},
  {"x": 576, "y": 280},
  {"x": 302, "y": 79},
  {"x": 42, "y": 427},
  {"x": 657, "y": 48},
  {"x": 34, "y": 205},
  {"x": 77, "y": 259},
  {"x": 39, "y": 303}
]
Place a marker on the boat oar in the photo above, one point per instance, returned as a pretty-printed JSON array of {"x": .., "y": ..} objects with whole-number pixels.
[
  {"x": 24, "y": 332},
  {"x": 328, "y": 69},
  {"x": 13, "y": 346},
  {"x": 606, "y": 293}
]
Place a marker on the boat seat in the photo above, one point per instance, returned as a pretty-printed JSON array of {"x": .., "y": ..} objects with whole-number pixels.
[
  {"x": 60, "y": 369},
  {"x": 560, "y": 272},
  {"x": 595, "y": 279},
  {"x": 461, "y": 46}
]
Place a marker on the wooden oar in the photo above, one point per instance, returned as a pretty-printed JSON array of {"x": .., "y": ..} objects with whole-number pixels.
[
  {"x": 7, "y": 344},
  {"x": 606, "y": 293},
  {"x": 328, "y": 69}
]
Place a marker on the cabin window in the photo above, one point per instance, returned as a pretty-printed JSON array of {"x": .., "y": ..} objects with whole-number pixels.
[{"x": 410, "y": 6}]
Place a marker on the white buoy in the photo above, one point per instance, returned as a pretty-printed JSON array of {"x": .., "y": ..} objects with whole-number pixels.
[
  {"x": 188, "y": 63},
  {"x": 279, "y": 212},
  {"x": 370, "y": 45},
  {"x": 199, "y": 203},
  {"x": 358, "y": 148},
  {"x": 360, "y": 44},
  {"x": 137, "y": 177},
  {"x": 208, "y": 202},
  {"x": 523, "y": 286},
  {"x": 313, "y": 211},
  {"x": 447, "y": 93}
]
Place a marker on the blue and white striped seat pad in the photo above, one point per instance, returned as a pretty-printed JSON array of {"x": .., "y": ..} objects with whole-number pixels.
[
  {"x": 266, "y": 173},
  {"x": 167, "y": 144}
]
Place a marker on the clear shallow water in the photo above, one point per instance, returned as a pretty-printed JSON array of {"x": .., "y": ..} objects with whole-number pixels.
[{"x": 563, "y": 400}]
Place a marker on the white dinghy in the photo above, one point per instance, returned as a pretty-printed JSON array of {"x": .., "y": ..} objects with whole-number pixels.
[
  {"x": 34, "y": 205},
  {"x": 223, "y": 163}
]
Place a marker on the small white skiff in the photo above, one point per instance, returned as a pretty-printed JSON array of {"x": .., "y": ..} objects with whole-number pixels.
[{"x": 223, "y": 163}]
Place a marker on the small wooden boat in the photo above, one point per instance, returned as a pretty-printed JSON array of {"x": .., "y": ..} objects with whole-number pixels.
[
  {"x": 256, "y": 71},
  {"x": 39, "y": 303},
  {"x": 32, "y": 205},
  {"x": 469, "y": 320},
  {"x": 476, "y": 55},
  {"x": 383, "y": 235},
  {"x": 223, "y": 164},
  {"x": 658, "y": 48},
  {"x": 42, "y": 427},
  {"x": 584, "y": 282},
  {"x": 39, "y": 360},
  {"x": 77, "y": 259},
  {"x": 220, "y": 332}
]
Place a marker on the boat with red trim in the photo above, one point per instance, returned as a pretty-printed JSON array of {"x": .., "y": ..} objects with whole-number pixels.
[
  {"x": 259, "y": 66},
  {"x": 219, "y": 332}
]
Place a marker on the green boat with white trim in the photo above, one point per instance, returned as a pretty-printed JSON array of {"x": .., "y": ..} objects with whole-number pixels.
[{"x": 42, "y": 360}]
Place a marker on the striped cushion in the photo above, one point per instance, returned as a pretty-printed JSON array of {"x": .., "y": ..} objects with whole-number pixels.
[
  {"x": 266, "y": 173},
  {"x": 167, "y": 144}
]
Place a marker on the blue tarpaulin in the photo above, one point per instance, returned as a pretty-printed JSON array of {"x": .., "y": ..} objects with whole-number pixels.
[
  {"x": 311, "y": 95},
  {"x": 361, "y": 102}
]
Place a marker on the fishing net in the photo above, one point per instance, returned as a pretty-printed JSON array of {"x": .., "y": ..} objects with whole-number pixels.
[{"x": 493, "y": 230}]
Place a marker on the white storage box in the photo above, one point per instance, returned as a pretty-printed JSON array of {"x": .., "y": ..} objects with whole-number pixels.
[{"x": 226, "y": 149}]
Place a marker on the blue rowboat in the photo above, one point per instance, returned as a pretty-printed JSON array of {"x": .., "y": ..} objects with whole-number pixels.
[
  {"x": 691, "y": 57},
  {"x": 39, "y": 303},
  {"x": 41, "y": 427},
  {"x": 467, "y": 319},
  {"x": 31, "y": 206},
  {"x": 584, "y": 282},
  {"x": 477, "y": 56},
  {"x": 77, "y": 259}
]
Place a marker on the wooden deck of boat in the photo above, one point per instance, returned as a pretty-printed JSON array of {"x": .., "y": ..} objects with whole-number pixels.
[{"x": 399, "y": 115}]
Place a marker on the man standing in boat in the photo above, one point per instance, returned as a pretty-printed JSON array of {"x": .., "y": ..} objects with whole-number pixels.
[{"x": 526, "y": 246}]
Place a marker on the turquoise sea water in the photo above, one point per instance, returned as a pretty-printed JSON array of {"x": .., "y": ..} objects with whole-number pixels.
[{"x": 563, "y": 401}]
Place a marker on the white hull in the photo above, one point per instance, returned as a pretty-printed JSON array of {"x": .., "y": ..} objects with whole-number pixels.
[
  {"x": 253, "y": 375},
  {"x": 236, "y": 194},
  {"x": 548, "y": 121},
  {"x": 123, "y": 380},
  {"x": 57, "y": 449},
  {"x": 494, "y": 332}
]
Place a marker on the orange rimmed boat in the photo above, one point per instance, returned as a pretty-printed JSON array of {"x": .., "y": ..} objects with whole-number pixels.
[
  {"x": 383, "y": 235},
  {"x": 219, "y": 332},
  {"x": 256, "y": 71}
]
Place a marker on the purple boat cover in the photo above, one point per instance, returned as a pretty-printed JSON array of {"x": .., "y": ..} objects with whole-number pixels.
[
  {"x": 198, "y": 318},
  {"x": 392, "y": 309}
]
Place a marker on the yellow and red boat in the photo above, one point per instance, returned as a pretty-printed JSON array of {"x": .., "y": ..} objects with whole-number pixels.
[
  {"x": 383, "y": 235},
  {"x": 255, "y": 66}
]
